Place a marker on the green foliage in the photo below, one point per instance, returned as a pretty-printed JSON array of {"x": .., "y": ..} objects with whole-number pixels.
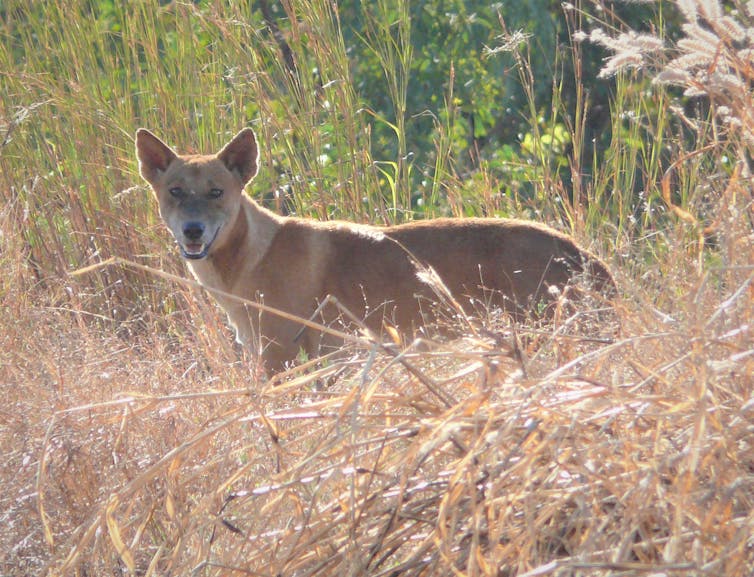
[
  {"x": 384, "y": 94},
  {"x": 457, "y": 102}
]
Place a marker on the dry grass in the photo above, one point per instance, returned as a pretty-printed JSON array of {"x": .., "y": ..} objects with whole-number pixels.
[
  {"x": 137, "y": 440},
  {"x": 571, "y": 458}
]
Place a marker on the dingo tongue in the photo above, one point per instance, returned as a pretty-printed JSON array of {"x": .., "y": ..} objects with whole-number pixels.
[{"x": 194, "y": 248}]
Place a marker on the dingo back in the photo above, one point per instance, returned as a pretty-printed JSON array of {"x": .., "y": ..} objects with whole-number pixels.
[{"x": 236, "y": 246}]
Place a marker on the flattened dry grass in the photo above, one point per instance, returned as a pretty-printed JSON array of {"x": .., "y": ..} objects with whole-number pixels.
[{"x": 474, "y": 457}]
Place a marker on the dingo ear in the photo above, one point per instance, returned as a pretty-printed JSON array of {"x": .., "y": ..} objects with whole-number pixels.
[
  {"x": 241, "y": 155},
  {"x": 154, "y": 155}
]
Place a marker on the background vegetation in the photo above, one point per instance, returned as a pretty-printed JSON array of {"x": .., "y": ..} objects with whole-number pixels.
[{"x": 137, "y": 441}]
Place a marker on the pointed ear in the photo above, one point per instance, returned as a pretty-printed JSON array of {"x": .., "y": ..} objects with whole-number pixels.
[
  {"x": 154, "y": 155},
  {"x": 241, "y": 155}
]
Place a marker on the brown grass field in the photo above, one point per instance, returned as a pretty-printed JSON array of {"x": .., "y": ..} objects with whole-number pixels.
[{"x": 138, "y": 441}]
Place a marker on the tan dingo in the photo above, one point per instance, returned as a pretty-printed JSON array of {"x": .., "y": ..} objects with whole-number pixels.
[{"x": 233, "y": 244}]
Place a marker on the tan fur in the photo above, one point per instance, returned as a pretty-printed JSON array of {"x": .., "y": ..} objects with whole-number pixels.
[{"x": 235, "y": 245}]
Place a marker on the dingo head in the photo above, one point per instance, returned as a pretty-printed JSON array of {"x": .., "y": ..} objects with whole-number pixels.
[{"x": 199, "y": 195}]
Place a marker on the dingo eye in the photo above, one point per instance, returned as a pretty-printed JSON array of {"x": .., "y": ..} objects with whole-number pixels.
[
  {"x": 215, "y": 193},
  {"x": 177, "y": 192}
]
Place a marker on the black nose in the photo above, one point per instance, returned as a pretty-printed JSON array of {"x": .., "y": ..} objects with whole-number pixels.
[{"x": 193, "y": 230}]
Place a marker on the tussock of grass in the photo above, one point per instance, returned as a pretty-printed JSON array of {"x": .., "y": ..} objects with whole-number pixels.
[{"x": 138, "y": 440}]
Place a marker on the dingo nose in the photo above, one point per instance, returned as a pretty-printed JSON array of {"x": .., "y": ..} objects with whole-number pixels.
[{"x": 193, "y": 230}]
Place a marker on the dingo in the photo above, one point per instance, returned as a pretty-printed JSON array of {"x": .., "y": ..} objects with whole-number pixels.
[{"x": 235, "y": 245}]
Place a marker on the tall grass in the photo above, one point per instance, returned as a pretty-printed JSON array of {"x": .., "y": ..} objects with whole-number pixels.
[{"x": 138, "y": 441}]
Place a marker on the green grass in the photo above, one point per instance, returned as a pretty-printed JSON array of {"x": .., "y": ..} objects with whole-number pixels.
[{"x": 138, "y": 440}]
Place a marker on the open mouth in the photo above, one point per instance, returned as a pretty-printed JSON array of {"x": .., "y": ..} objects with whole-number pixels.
[{"x": 196, "y": 250}]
